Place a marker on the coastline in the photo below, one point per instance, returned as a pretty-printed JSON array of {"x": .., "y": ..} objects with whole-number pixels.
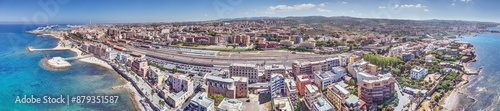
[
  {"x": 133, "y": 94},
  {"x": 452, "y": 100}
]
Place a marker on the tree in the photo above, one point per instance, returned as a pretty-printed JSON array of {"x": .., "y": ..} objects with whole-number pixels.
[
  {"x": 389, "y": 108},
  {"x": 174, "y": 70},
  {"x": 352, "y": 82},
  {"x": 418, "y": 94},
  {"x": 217, "y": 98}
]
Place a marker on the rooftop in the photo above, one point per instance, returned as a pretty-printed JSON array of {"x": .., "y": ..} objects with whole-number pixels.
[
  {"x": 274, "y": 67},
  {"x": 342, "y": 89},
  {"x": 284, "y": 103},
  {"x": 240, "y": 79},
  {"x": 202, "y": 99},
  {"x": 243, "y": 65},
  {"x": 352, "y": 99},
  {"x": 311, "y": 88},
  {"x": 230, "y": 105},
  {"x": 322, "y": 105},
  {"x": 220, "y": 79}
]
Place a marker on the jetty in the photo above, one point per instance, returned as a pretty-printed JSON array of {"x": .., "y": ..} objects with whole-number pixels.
[
  {"x": 31, "y": 49},
  {"x": 472, "y": 72},
  {"x": 59, "y": 62}
]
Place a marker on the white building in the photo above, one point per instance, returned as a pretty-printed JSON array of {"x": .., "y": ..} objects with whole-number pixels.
[
  {"x": 418, "y": 72},
  {"x": 181, "y": 88},
  {"x": 277, "y": 85},
  {"x": 201, "y": 102},
  {"x": 325, "y": 78},
  {"x": 251, "y": 71},
  {"x": 291, "y": 90},
  {"x": 230, "y": 105}
]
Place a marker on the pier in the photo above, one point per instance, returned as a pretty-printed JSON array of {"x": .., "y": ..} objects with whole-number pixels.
[
  {"x": 472, "y": 72},
  {"x": 59, "y": 62},
  {"x": 31, "y": 49}
]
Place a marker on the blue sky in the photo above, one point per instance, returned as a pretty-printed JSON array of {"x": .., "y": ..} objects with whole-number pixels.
[{"x": 127, "y": 11}]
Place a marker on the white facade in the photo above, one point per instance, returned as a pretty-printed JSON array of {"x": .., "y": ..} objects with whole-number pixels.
[
  {"x": 418, "y": 72},
  {"x": 323, "y": 79},
  {"x": 277, "y": 85}
]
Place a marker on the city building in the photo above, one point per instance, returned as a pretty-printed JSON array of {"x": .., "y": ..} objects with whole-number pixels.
[
  {"x": 286, "y": 43},
  {"x": 233, "y": 87},
  {"x": 140, "y": 67},
  {"x": 157, "y": 76},
  {"x": 277, "y": 85},
  {"x": 414, "y": 92},
  {"x": 325, "y": 78},
  {"x": 311, "y": 96},
  {"x": 407, "y": 56},
  {"x": 273, "y": 69},
  {"x": 337, "y": 95},
  {"x": 375, "y": 89},
  {"x": 298, "y": 39},
  {"x": 342, "y": 100},
  {"x": 291, "y": 90},
  {"x": 302, "y": 81},
  {"x": 282, "y": 104},
  {"x": 181, "y": 88},
  {"x": 310, "y": 67},
  {"x": 201, "y": 102},
  {"x": 321, "y": 104},
  {"x": 230, "y": 105},
  {"x": 308, "y": 44},
  {"x": 250, "y": 71},
  {"x": 418, "y": 72}
]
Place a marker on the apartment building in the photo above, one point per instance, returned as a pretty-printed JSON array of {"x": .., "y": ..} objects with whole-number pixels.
[
  {"x": 376, "y": 89},
  {"x": 310, "y": 67},
  {"x": 291, "y": 90},
  {"x": 181, "y": 88},
  {"x": 325, "y": 78},
  {"x": 343, "y": 100},
  {"x": 250, "y": 71},
  {"x": 301, "y": 82},
  {"x": 201, "y": 102},
  {"x": 270, "y": 69},
  {"x": 233, "y": 87},
  {"x": 140, "y": 67},
  {"x": 277, "y": 85},
  {"x": 418, "y": 72}
]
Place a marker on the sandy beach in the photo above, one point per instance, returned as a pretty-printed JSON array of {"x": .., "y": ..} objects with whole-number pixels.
[{"x": 134, "y": 95}]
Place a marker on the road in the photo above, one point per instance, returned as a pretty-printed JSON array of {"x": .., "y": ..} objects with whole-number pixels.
[{"x": 403, "y": 100}]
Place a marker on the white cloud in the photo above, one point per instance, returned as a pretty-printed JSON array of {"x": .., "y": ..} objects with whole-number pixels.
[
  {"x": 323, "y": 4},
  {"x": 343, "y": 2},
  {"x": 426, "y": 10},
  {"x": 323, "y": 10},
  {"x": 284, "y": 8},
  {"x": 466, "y": 1},
  {"x": 409, "y": 6},
  {"x": 452, "y": 4},
  {"x": 381, "y": 7}
]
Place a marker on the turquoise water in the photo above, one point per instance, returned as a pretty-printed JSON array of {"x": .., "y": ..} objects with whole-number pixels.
[
  {"x": 21, "y": 74},
  {"x": 485, "y": 87}
]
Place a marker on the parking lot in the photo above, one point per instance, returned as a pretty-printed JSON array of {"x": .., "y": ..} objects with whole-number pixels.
[{"x": 257, "y": 102}]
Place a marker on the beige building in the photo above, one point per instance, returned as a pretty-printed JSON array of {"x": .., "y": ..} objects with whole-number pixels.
[
  {"x": 250, "y": 71},
  {"x": 270, "y": 69},
  {"x": 234, "y": 87},
  {"x": 286, "y": 43},
  {"x": 308, "y": 44},
  {"x": 181, "y": 87},
  {"x": 309, "y": 68},
  {"x": 376, "y": 88}
]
